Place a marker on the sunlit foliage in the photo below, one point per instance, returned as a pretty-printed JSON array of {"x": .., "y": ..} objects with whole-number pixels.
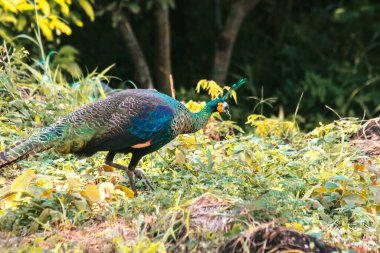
[
  {"x": 312, "y": 182},
  {"x": 266, "y": 127},
  {"x": 53, "y": 18}
]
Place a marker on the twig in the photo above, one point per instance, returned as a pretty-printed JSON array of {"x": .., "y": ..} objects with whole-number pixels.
[{"x": 172, "y": 85}]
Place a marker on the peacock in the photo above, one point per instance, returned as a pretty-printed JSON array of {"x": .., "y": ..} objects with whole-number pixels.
[{"x": 136, "y": 121}]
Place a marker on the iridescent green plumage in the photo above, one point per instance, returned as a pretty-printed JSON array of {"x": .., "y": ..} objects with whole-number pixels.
[{"x": 134, "y": 121}]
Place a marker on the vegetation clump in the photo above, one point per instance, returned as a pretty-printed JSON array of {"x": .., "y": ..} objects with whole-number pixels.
[{"x": 242, "y": 191}]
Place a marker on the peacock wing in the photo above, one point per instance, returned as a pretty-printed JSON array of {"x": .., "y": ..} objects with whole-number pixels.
[{"x": 138, "y": 120}]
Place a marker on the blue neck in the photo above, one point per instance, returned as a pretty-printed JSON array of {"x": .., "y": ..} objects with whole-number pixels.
[{"x": 201, "y": 118}]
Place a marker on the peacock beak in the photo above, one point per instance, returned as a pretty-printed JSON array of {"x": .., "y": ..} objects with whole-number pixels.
[
  {"x": 227, "y": 111},
  {"x": 223, "y": 107}
]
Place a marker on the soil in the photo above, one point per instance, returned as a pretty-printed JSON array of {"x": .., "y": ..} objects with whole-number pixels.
[{"x": 271, "y": 238}]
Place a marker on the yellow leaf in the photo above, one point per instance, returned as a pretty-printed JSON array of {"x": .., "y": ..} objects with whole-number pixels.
[
  {"x": 201, "y": 84},
  {"x": 44, "y": 26},
  {"x": 126, "y": 190},
  {"x": 8, "y": 18},
  {"x": 188, "y": 167},
  {"x": 92, "y": 193},
  {"x": 8, "y": 196},
  {"x": 86, "y": 6},
  {"x": 320, "y": 190},
  {"x": 38, "y": 120},
  {"x": 9, "y": 6},
  {"x": 295, "y": 225},
  {"x": 72, "y": 182},
  {"x": 214, "y": 89},
  {"x": 79, "y": 23},
  {"x": 47, "y": 193},
  {"x": 233, "y": 94},
  {"x": 359, "y": 167},
  {"x": 108, "y": 168},
  {"x": 155, "y": 247},
  {"x": 298, "y": 226},
  {"x": 189, "y": 139},
  {"x": 211, "y": 86},
  {"x": 247, "y": 158},
  {"x": 17, "y": 130},
  {"x": 180, "y": 157},
  {"x": 58, "y": 24},
  {"x": 44, "y": 6},
  {"x": 195, "y": 106},
  {"x": 64, "y": 7},
  {"x": 25, "y": 7},
  {"x": 22, "y": 182}
]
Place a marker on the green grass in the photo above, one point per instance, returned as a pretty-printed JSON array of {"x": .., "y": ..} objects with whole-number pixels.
[{"x": 208, "y": 191}]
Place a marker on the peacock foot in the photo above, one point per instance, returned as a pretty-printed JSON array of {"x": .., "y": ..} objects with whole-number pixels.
[
  {"x": 140, "y": 175},
  {"x": 131, "y": 177}
]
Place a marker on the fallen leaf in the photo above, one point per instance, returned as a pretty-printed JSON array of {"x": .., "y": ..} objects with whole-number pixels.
[
  {"x": 126, "y": 190},
  {"x": 92, "y": 193},
  {"x": 22, "y": 182}
]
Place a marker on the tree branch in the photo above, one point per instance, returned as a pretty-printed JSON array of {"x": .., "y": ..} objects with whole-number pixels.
[
  {"x": 226, "y": 41},
  {"x": 162, "y": 60}
]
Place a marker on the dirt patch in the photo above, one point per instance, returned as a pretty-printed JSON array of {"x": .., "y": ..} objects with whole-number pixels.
[
  {"x": 368, "y": 137},
  {"x": 211, "y": 213},
  {"x": 271, "y": 238},
  {"x": 203, "y": 214},
  {"x": 95, "y": 238}
]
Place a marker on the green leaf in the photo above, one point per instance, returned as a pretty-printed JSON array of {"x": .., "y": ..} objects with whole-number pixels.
[
  {"x": 134, "y": 8},
  {"x": 375, "y": 190},
  {"x": 332, "y": 185},
  {"x": 354, "y": 199}
]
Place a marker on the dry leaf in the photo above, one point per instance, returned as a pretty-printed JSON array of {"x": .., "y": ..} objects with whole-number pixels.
[
  {"x": 126, "y": 190},
  {"x": 92, "y": 193},
  {"x": 180, "y": 157},
  {"x": 22, "y": 182}
]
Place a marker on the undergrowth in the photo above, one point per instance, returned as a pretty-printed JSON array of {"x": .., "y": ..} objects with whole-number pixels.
[{"x": 312, "y": 182}]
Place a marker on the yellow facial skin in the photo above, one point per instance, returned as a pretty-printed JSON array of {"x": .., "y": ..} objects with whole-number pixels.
[{"x": 223, "y": 107}]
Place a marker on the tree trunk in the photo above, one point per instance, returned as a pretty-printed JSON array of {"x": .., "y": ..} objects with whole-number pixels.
[
  {"x": 225, "y": 43},
  {"x": 142, "y": 73},
  {"x": 162, "y": 60}
]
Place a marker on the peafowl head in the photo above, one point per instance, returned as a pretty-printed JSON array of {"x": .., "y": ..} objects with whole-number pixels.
[{"x": 220, "y": 104}]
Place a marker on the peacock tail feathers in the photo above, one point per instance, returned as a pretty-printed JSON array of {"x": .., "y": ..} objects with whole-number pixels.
[{"x": 41, "y": 140}]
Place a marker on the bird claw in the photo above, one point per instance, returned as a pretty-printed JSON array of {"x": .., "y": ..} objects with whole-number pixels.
[{"x": 140, "y": 175}]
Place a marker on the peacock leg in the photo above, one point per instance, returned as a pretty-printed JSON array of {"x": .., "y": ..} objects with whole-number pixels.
[
  {"x": 140, "y": 175},
  {"x": 130, "y": 169},
  {"x": 131, "y": 172}
]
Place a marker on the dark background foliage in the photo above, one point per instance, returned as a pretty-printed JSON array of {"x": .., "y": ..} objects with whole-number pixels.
[{"x": 327, "y": 49}]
